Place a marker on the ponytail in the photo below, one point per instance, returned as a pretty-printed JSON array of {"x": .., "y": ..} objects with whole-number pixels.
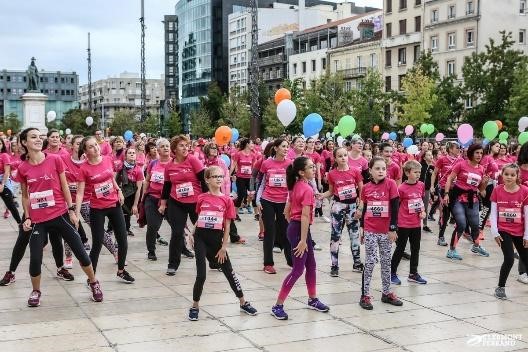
[{"x": 292, "y": 172}]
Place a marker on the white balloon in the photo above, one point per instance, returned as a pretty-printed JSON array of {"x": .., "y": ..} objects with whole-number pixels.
[
  {"x": 340, "y": 141},
  {"x": 286, "y": 111},
  {"x": 52, "y": 115},
  {"x": 68, "y": 131},
  {"x": 264, "y": 144},
  {"x": 142, "y": 135},
  {"x": 413, "y": 149},
  {"x": 523, "y": 123},
  {"x": 328, "y": 135},
  {"x": 315, "y": 136},
  {"x": 89, "y": 121}
]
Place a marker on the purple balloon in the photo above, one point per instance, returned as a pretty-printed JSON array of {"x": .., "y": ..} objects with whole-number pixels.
[{"x": 465, "y": 133}]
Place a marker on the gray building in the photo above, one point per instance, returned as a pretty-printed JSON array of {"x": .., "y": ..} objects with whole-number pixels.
[
  {"x": 60, "y": 87},
  {"x": 171, "y": 62}
]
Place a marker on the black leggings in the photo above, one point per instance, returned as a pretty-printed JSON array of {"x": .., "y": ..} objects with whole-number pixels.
[
  {"x": 116, "y": 218},
  {"x": 275, "y": 226},
  {"x": 242, "y": 190},
  {"x": 154, "y": 220},
  {"x": 486, "y": 207},
  {"x": 508, "y": 241},
  {"x": 59, "y": 227},
  {"x": 206, "y": 244},
  {"x": 445, "y": 214},
  {"x": 414, "y": 235},
  {"x": 177, "y": 213},
  {"x": 9, "y": 200},
  {"x": 127, "y": 209}
]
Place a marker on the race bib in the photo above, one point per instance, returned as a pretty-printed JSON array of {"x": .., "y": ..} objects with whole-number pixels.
[
  {"x": 72, "y": 187},
  {"x": 277, "y": 180},
  {"x": 104, "y": 189},
  {"x": 157, "y": 177},
  {"x": 347, "y": 192},
  {"x": 184, "y": 190},
  {"x": 211, "y": 220},
  {"x": 510, "y": 215},
  {"x": 245, "y": 169},
  {"x": 41, "y": 200},
  {"x": 473, "y": 179},
  {"x": 415, "y": 205},
  {"x": 378, "y": 209}
]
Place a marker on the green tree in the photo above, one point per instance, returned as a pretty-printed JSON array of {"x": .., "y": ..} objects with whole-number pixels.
[
  {"x": 212, "y": 103},
  {"x": 173, "y": 125},
  {"x": 201, "y": 124},
  {"x": 123, "y": 120},
  {"x": 11, "y": 122},
  {"x": 235, "y": 113},
  {"x": 75, "y": 119},
  {"x": 517, "y": 105},
  {"x": 272, "y": 127},
  {"x": 419, "y": 99},
  {"x": 150, "y": 125}
]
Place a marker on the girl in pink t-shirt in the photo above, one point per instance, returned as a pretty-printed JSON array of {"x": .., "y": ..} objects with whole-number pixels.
[
  {"x": 5, "y": 193},
  {"x": 299, "y": 212},
  {"x": 215, "y": 212},
  {"x": 379, "y": 222},
  {"x": 242, "y": 162}
]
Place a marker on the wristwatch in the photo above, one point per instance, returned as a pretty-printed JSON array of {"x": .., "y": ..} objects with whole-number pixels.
[
  {"x": 72, "y": 207},
  {"x": 393, "y": 228}
]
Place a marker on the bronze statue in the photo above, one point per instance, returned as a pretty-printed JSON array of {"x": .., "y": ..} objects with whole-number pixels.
[{"x": 32, "y": 77}]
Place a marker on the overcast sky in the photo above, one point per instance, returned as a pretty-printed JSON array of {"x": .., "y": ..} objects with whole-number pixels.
[{"x": 55, "y": 33}]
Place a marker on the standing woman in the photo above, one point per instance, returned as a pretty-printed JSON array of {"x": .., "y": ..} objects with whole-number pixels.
[
  {"x": 141, "y": 158},
  {"x": 49, "y": 210},
  {"x": 184, "y": 181},
  {"x": 151, "y": 152},
  {"x": 105, "y": 202},
  {"x": 54, "y": 144},
  {"x": 427, "y": 164},
  {"x": 5, "y": 172},
  {"x": 316, "y": 159},
  {"x": 118, "y": 152},
  {"x": 243, "y": 162},
  {"x": 296, "y": 148}
]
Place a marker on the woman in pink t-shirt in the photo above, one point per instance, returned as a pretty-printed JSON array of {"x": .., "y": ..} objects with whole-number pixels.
[
  {"x": 242, "y": 163},
  {"x": 141, "y": 158},
  {"x": 49, "y": 210},
  {"x": 5, "y": 193},
  {"x": 118, "y": 152},
  {"x": 393, "y": 168},
  {"x": 54, "y": 145},
  {"x": 299, "y": 213}
]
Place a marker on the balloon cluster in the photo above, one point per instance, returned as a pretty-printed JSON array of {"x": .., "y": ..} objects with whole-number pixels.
[{"x": 427, "y": 128}]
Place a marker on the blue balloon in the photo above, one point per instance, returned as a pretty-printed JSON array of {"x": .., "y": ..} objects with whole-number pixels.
[
  {"x": 226, "y": 160},
  {"x": 393, "y": 136},
  {"x": 234, "y": 135},
  {"x": 128, "y": 135},
  {"x": 407, "y": 142},
  {"x": 312, "y": 125},
  {"x": 485, "y": 142}
]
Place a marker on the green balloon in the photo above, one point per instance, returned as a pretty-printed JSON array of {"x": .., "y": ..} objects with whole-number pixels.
[
  {"x": 347, "y": 125},
  {"x": 490, "y": 130},
  {"x": 423, "y": 128},
  {"x": 503, "y": 136},
  {"x": 523, "y": 138},
  {"x": 430, "y": 129},
  {"x": 336, "y": 130},
  {"x": 503, "y": 141}
]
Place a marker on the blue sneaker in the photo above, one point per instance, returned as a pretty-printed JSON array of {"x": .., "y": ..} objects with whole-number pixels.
[
  {"x": 278, "y": 312},
  {"x": 193, "y": 314},
  {"x": 248, "y": 309},
  {"x": 417, "y": 279},
  {"x": 316, "y": 304},
  {"x": 453, "y": 254},
  {"x": 249, "y": 209},
  {"x": 241, "y": 210},
  {"x": 395, "y": 279},
  {"x": 480, "y": 251}
]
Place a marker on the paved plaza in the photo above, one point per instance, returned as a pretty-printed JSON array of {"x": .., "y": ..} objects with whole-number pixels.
[{"x": 455, "y": 311}]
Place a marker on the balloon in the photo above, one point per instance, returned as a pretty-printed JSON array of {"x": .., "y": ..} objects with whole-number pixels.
[
  {"x": 439, "y": 137},
  {"x": 347, "y": 125},
  {"x": 356, "y": 136},
  {"x": 142, "y": 135},
  {"x": 312, "y": 124},
  {"x": 407, "y": 142},
  {"x": 485, "y": 142},
  {"x": 409, "y": 130},
  {"x": 490, "y": 130},
  {"x": 89, "y": 121},
  {"x": 430, "y": 128},
  {"x": 51, "y": 115},
  {"x": 282, "y": 94},
  {"x": 413, "y": 149},
  {"x": 423, "y": 128},
  {"x": 465, "y": 133},
  {"x": 503, "y": 135},
  {"x": 286, "y": 111},
  {"x": 375, "y": 129},
  {"x": 222, "y": 135},
  {"x": 393, "y": 136},
  {"x": 68, "y": 131},
  {"x": 503, "y": 141},
  {"x": 9, "y": 132},
  {"x": 263, "y": 145},
  {"x": 340, "y": 141},
  {"x": 467, "y": 144},
  {"x": 523, "y": 123},
  {"x": 523, "y": 138},
  {"x": 234, "y": 135},
  {"x": 128, "y": 135},
  {"x": 61, "y": 132},
  {"x": 226, "y": 160},
  {"x": 499, "y": 124},
  {"x": 328, "y": 135},
  {"x": 336, "y": 130},
  {"x": 385, "y": 135}
]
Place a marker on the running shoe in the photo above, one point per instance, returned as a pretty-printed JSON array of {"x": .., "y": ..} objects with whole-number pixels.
[
  {"x": 269, "y": 269},
  {"x": 358, "y": 267},
  {"x": 6, "y": 214},
  {"x": 257, "y": 217},
  {"x": 523, "y": 278},
  {"x": 193, "y": 314},
  {"x": 334, "y": 271},
  {"x": 34, "y": 298},
  {"x": 249, "y": 209},
  {"x": 500, "y": 293},
  {"x": 278, "y": 312},
  {"x": 391, "y": 298},
  {"x": 479, "y": 250},
  {"x": 316, "y": 304},
  {"x": 427, "y": 229},
  {"x": 431, "y": 218},
  {"x": 453, "y": 254},
  {"x": 365, "y": 303},
  {"x": 152, "y": 256},
  {"x": 68, "y": 263},
  {"x": 64, "y": 274},
  {"x": 326, "y": 218},
  {"x": 97, "y": 294},
  {"x": 130, "y": 233},
  {"x": 125, "y": 277},
  {"x": 87, "y": 246},
  {"x": 317, "y": 247},
  {"x": 241, "y": 210},
  {"x": 248, "y": 309},
  {"x": 277, "y": 250},
  {"x": 162, "y": 242},
  {"x": 9, "y": 278},
  {"x": 395, "y": 279},
  {"x": 441, "y": 242},
  {"x": 238, "y": 218},
  {"x": 261, "y": 236},
  {"x": 241, "y": 240},
  {"x": 416, "y": 278},
  {"x": 187, "y": 253},
  {"x": 406, "y": 256},
  {"x": 170, "y": 272}
]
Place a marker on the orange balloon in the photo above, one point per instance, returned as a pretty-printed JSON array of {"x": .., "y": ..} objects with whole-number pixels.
[
  {"x": 376, "y": 128},
  {"x": 281, "y": 95},
  {"x": 499, "y": 124},
  {"x": 222, "y": 135},
  {"x": 9, "y": 132}
]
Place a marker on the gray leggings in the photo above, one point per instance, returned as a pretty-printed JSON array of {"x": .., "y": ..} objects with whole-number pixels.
[{"x": 373, "y": 241}]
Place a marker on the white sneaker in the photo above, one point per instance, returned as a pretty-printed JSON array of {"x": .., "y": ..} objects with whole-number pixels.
[
  {"x": 325, "y": 218},
  {"x": 277, "y": 250},
  {"x": 68, "y": 263},
  {"x": 317, "y": 247},
  {"x": 523, "y": 278}
]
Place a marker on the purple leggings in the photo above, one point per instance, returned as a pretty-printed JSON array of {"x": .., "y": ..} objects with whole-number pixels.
[{"x": 307, "y": 260}]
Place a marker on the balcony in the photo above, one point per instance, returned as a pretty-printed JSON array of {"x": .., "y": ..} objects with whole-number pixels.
[
  {"x": 353, "y": 72},
  {"x": 271, "y": 60},
  {"x": 404, "y": 39}
]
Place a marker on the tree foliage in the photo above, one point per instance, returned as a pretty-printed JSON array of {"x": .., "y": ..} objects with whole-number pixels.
[
  {"x": 173, "y": 125},
  {"x": 419, "y": 98},
  {"x": 75, "y": 120},
  {"x": 518, "y": 103},
  {"x": 124, "y": 120},
  {"x": 235, "y": 113},
  {"x": 11, "y": 122}
]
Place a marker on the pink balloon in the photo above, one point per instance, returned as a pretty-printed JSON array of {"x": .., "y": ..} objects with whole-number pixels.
[
  {"x": 385, "y": 135},
  {"x": 465, "y": 133},
  {"x": 409, "y": 130},
  {"x": 439, "y": 137}
]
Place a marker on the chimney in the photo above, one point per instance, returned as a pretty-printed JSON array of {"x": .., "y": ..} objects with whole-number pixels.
[{"x": 366, "y": 29}]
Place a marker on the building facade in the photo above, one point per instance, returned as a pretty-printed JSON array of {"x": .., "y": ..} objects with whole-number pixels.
[
  {"x": 170, "y": 23},
  {"x": 60, "y": 87}
]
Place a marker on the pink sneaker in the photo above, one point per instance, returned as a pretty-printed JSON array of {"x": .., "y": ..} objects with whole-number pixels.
[
  {"x": 6, "y": 214},
  {"x": 34, "y": 299},
  {"x": 68, "y": 263},
  {"x": 97, "y": 294}
]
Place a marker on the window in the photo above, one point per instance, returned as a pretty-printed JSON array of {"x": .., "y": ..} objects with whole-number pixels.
[
  {"x": 403, "y": 4},
  {"x": 522, "y": 36},
  {"x": 304, "y": 67},
  {"x": 294, "y": 69},
  {"x": 522, "y": 8},
  {"x": 434, "y": 16},
  {"x": 358, "y": 60},
  {"x": 373, "y": 60},
  {"x": 451, "y": 40},
  {"x": 451, "y": 71},
  {"x": 389, "y": 30},
  {"x": 314, "y": 66},
  {"x": 470, "y": 38},
  {"x": 434, "y": 43},
  {"x": 469, "y": 8},
  {"x": 416, "y": 50},
  {"x": 418, "y": 24},
  {"x": 400, "y": 82},
  {"x": 451, "y": 11},
  {"x": 388, "y": 81},
  {"x": 389, "y": 6},
  {"x": 403, "y": 27},
  {"x": 8, "y": 78},
  {"x": 469, "y": 103},
  {"x": 402, "y": 56},
  {"x": 388, "y": 58},
  {"x": 323, "y": 63},
  {"x": 336, "y": 65},
  {"x": 417, "y": 2}
]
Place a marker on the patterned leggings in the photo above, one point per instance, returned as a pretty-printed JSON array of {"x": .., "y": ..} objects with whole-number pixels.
[
  {"x": 344, "y": 214},
  {"x": 372, "y": 242}
]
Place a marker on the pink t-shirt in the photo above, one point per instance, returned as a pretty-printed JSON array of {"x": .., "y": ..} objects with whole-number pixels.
[
  {"x": 301, "y": 195},
  {"x": 72, "y": 176},
  {"x": 411, "y": 204},
  {"x": 510, "y": 206},
  {"x": 444, "y": 165},
  {"x": 118, "y": 161},
  {"x": 377, "y": 197},
  {"x": 213, "y": 210},
  {"x": 141, "y": 160},
  {"x": 99, "y": 179},
  {"x": 135, "y": 174},
  {"x": 358, "y": 164},
  {"x": 468, "y": 177},
  {"x": 394, "y": 171},
  {"x": 105, "y": 148},
  {"x": 524, "y": 177},
  {"x": 217, "y": 161},
  {"x": 345, "y": 183},
  {"x": 245, "y": 164},
  {"x": 490, "y": 166},
  {"x": 275, "y": 189},
  {"x": 15, "y": 162},
  {"x": 4, "y": 160},
  {"x": 60, "y": 152},
  {"x": 185, "y": 186},
  {"x": 156, "y": 170},
  {"x": 46, "y": 200}
]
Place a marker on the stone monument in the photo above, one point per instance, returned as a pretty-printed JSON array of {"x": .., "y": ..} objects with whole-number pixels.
[{"x": 34, "y": 102}]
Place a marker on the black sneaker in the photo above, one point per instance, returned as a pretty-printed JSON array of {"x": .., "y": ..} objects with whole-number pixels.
[
  {"x": 391, "y": 298},
  {"x": 358, "y": 267},
  {"x": 130, "y": 233},
  {"x": 187, "y": 253},
  {"x": 152, "y": 256},
  {"x": 365, "y": 303},
  {"x": 193, "y": 314},
  {"x": 406, "y": 255},
  {"x": 125, "y": 276},
  {"x": 8, "y": 279},
  {"x": 248, "y": 309},
  {"x": 257, "y": 217},
  {"x": 64, "y": 274},
  {"x": 162, "y": 242},
  {"x": 334, "y": 271},
  {"x": 431, "y": 218},
  {"x": 238, "y": 218},
  {"x": 427, "y": 229}
]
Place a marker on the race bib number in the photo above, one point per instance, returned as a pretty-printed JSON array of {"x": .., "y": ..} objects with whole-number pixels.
[
  {"x": 245, "y": 169},
  {"x": 473, "y": 179},
  {"x": 103, "y": 189},
  {"x": 184, "y": 190},
  {"x": 277, "y": 180},
  {"x": 510, "y": 215},
  {"x": 378, "y": 209},
  {"x": 157, "y": 177},
  {"x": 415, "y": 205},
  {"x": 42, "y": 200},
  {"x": 72, "y": 187},
  {"x": 347, "y": 192},
  {"x": 211, "y": 220}
]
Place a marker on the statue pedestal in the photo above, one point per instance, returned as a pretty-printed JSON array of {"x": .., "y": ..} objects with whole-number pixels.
[{"x": 34, "y": 107}]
